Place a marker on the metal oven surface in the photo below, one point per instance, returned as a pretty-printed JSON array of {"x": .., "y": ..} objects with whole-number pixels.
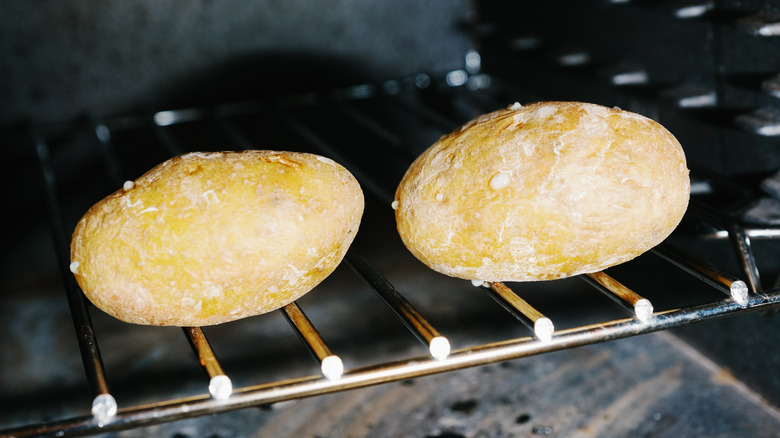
[{"x": 382, "y": 315}]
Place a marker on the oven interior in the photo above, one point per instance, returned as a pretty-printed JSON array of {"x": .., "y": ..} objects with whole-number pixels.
[{"x": 703, "y": 364}]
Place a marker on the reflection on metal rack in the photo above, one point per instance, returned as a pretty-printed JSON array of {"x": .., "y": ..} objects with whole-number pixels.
[
  {"x": 438, "y": 345},
  {"x": 641, "y": 307},
  {"x": 104, "y": 405},
  {"x": 331, "y": 365},
  {"x": 223, "y": 397},
  {"x": 220, "y": 385},
  {"x": 738, "y": 237},
  {"x": 733, "y": 287},
  {"x": 541, "y": 325}
]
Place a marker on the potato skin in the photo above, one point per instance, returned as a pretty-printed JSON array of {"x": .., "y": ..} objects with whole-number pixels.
[
  {"x": 543, "y": 191},
  {"x": 206, "y": 238}
]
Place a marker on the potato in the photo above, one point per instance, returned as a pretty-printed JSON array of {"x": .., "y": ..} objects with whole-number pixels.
[
  {"x": 206, "y": 238},
  {"x": 542, "y": 191}
]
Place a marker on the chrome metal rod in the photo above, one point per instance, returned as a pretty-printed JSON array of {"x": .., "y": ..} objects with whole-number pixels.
[
  {"x": 706, "y": 213},
  {"x": 237, "y": 139},
  {"x": 178, "y": 409},
  {"x": 438, "y": 345},
  {"x": 168, "y": 143},
  {"x": 641, "y": 307},
  {"x": 728, "y": 284},
  {"x": 315, "y": 140},
  {"x": 103, "y": 136},
  {"x": 738, "y": 237},
  {"x": 752, "y": 232},
  {"x": 240, "y": 108},
  {"x": 745, "y": 257},
  {"x": 524, "y": 312},
  {"x": 330, "y": 364},
  {"x": 424, "y": 113},
  {"x": 220, "y": 386},
  {"x": 103, "y": 405},
  {"x": 388, "y": 136}
]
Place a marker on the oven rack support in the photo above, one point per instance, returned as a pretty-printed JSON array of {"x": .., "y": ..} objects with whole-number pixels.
[
  {"x": 171, "y": 410},
  {"x": 107, "y": 416}
]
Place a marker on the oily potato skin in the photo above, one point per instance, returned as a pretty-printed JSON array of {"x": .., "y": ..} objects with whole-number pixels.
[
  {"x": 543, "y": 191},
  {"x": 206, "y": 238}
]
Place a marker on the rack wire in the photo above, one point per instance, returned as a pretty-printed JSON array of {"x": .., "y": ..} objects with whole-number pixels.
[{"x": 734, "y": 295}]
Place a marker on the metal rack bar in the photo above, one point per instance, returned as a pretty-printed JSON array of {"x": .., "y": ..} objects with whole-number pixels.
[
  {"x": 316, "y": 141},
  {"x": 102, "y": 134},
  {"x": 331, "y": 365},
  {"x": 220, "y": 385},
  {"x": 730, "y": 285},
  {"x": 738, "y": 237},
  {"x": 233, "y": 133},
  {"x": 745, "y": 257},
  {"x": 542, "y": 326},
  {"x": 641, "y": 307},
  {"x": 438, "y": 345},
  {"x": 426, "y": 114},
  {"x": 171, "y": 147},
  {"x": 389, "y": 137},
  {"x": 751, "y": 232},
  {"x": 103, "y": 405}
]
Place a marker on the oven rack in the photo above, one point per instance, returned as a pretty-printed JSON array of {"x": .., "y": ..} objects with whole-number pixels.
[{"x": 732, "y": 295}]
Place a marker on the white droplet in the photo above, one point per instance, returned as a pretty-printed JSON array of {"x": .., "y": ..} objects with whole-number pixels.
[
  {"x": 128, "y": 185},
  {"x": 739, "y": 292},
  {"x": 515, "y": 106},
  {"x": 439, "y": 196},
  {"x": 543, "y": 328},
  {"x": 643, "y": 309},
  {"x": 220, "y": 387},
  {"x": 74, "y": 267},
  {"x": 500, "y": 180},
  {"x": 394, "y": 205},
  {"x": 103, "y": 408},
  {"x": 439, "y": 347},
  {"x": 478, "y": 283},
  {"x": 332, "y": 367}
]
